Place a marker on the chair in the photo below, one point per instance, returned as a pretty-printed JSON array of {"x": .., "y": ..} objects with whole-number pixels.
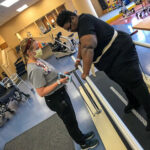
[
  {"x": 10, "y": 96},
  {"x": 5, "y": 97},
  {"x": 12, "y": 84},
  {"x": 20, "y": 67},
  {"x": 17, "y": 80}
]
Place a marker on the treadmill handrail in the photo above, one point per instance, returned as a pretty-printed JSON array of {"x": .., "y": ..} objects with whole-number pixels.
[
  {"x": 142, "y": 44},
  {"x": 135, "y": 145}
]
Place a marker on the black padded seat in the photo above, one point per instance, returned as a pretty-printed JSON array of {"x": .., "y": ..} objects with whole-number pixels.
[{"x": 5, "y": 98}]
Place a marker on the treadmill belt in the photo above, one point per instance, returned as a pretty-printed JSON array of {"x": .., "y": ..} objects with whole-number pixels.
[{"x": 134, "y": 125}]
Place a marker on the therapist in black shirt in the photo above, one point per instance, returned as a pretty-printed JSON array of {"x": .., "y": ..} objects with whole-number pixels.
[{"x": 111, "y": 51}]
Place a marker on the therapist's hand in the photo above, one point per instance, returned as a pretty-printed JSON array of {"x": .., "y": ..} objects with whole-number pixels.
[
  {"x": 67, "y": 73},
  {"x": 64, "y": 80}
]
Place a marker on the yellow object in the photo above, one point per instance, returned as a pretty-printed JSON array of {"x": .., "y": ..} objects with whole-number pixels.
[
  {"x": 118, "y": 16},
  {"x": 114, "y": 18}
]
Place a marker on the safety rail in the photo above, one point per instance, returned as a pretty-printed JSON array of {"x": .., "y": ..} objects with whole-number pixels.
[
  {"x": 134, "y": 144},
  {"x": 147, "y": 45},
  {"x": 87, "y": 93},
  {"x": 141, "y": 44}
]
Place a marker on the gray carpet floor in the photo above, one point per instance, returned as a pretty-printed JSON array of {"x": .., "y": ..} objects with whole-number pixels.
[{"x": 50, "y": 134}]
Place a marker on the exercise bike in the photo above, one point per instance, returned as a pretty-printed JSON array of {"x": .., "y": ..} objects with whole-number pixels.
[{"x": 63, "y": 45}]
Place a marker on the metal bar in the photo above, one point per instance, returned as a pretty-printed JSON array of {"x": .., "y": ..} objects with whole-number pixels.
[
  {"x": 87, "y": 93},
  {"x": 82, "y": 97},
  {"x": 121, "y": 126},
  {"x": 133, "y": 32},
  {"x": 141, "y": 44}
]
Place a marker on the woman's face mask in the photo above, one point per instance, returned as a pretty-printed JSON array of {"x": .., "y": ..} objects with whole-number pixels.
[{"x": 38, "y": 53}]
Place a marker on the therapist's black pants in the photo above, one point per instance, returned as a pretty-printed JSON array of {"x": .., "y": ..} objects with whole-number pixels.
[{"x": 60, "y": 103}]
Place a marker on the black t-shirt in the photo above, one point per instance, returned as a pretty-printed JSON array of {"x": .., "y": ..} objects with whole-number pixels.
[
  {"x": 121, "y": 53},
  {"x": 89, "y": 24}
]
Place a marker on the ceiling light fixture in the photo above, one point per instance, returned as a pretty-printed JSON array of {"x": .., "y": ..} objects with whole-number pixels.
[
  {"x": 22, "y": 8},
  {"x": 8, "y": 3}
]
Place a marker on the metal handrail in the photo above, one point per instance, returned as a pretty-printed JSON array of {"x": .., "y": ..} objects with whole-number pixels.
[
  {"x": 87, "y": 93},
  {"x": 141, "y": 44},
  {"x": 121, "y": 126}
]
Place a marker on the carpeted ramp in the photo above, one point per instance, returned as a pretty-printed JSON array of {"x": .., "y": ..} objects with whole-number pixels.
[{"x": 50, "y": 134}]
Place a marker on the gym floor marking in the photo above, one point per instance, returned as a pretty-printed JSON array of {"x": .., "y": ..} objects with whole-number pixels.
[{"x": 140, "y": 118}]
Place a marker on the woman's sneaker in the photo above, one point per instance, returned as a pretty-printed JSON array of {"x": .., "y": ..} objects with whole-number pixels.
[
  {"x": 89, "y": 136},
  {"x": 89, "y": 144}
]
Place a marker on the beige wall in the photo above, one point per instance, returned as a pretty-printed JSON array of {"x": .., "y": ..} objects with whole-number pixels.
[
  {"x": 9, "y": 29},
  {"x": 1, "y": 70},
  {"x": 1, "y": 40},
  {"x": 33, "y": 29},
  {"x": 97, "y": 7},
  {"x": 84, "y": 6},
  {"x": 69, "y": 5}
]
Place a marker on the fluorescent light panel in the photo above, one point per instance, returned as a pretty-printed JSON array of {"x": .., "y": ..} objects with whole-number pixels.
[
  {"x": 22, "y": 8},
  {"x": 8, "y": 3}
]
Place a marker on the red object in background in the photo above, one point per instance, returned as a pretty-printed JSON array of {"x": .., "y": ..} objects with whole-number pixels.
[
  {"x": 131, "y": 19},
  {"x": 40, "y": 45},
  {"x": 134, "y": 32}
]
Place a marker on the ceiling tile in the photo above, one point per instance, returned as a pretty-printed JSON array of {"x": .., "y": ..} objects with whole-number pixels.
[{"x": 6, "y": 13}]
